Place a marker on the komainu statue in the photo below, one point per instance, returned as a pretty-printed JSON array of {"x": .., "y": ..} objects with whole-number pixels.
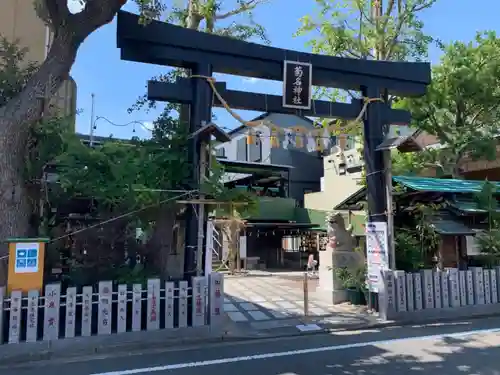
[
  {"x": 339, "y": 252},
  {"x": 340, "y": 238}
]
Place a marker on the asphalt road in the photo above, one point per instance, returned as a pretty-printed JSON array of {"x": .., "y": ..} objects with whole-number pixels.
[{"x": 463, "y": 348}]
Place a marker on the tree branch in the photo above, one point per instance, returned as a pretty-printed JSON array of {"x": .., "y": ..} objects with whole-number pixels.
[
  {"x": 362, "y": 13},
  {"x": 95, "y": 14},
  {"x": 57, "y": 11},
  {"x": 481, "y": 111},
  {"x": 244, "y": 7},
  {"x": 397, "y": 30}
]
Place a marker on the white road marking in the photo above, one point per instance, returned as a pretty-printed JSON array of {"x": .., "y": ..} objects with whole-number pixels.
[
  {"x": 308, "y": 327},
  {"x": 254, "y": 357}
]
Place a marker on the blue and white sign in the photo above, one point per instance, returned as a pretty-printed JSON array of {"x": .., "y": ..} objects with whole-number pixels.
[{"x": 26, "y": 258}]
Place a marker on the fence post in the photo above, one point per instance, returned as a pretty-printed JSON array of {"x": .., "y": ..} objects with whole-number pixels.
[
  {"x": 445, "y": 289},
  {"x": 136, "y": 307},
  {"x": 453, "y": 277},
  {"x": 15, "y": 316},
  {"x": 121, "y": 324},
  {"x": 183, "y": 310},
  {"x": 306, "y": 295},
  {"x": 153, "y": 322},
  {"x": 69, "y": 330},
  {"x": 438, "y": 298},
  {"x": 400, "y": 280},
  {"x": 52, "y": 311},
  {"x": 216, "y": 298},
  {"x": 2, "y": 298},
  {"x": 198, "y": 291},
  {"x": 469, "y": 278},
  {"x": 32, "y": 316},
  {"x": 417, "y": 286},
  {"x": 462, "y": 287},
  {"x": 497, "y": 281},
  {"x": 487, "y": 287},
  {"x": 169, "y": 304},
  {"x": 493, "y": 286},
  {"x": 410, "y": 292},
  {"x": 427, "y": 289},
  {"x": 478, "y": 279},
  {"x": 104, "y": 313},
  {"x": 387, "y": 295},
  {"x": 87, "y": 292}
]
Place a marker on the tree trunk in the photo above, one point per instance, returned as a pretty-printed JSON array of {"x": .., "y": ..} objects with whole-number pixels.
[
  {"x": 19, "y": 113},
  {"x": 15, "y": 119},
  {"x": 162, "y": 243}
]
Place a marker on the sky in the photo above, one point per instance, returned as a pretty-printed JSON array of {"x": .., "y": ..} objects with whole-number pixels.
[{"x": 117, "y": 84}]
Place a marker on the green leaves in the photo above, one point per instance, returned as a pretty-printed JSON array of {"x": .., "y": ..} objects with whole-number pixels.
[
  {"x": 14, "y": 70},
  {"x": 213, "y": 187},
  {"x": 489, "y": 242},
  {"x": 125, "y": 175},
  {"x": 461, "y": 106},
  {"x": 358, "y": 29},
  {"x": 350, "y": 28}
]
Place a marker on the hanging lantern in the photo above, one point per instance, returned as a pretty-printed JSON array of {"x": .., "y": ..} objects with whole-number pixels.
[
  {"x": 250, "y": 137},
  {"x": 319, "y": 143},
  {"x": 299, "y": 136},
  {"x": 342, "y": 141},
  {"x": 274, "y": 137}
]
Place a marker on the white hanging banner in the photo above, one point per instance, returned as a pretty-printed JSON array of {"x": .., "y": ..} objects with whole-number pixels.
[
  {"x": 377, "y": 253},
  {"x": 243, "y": 247},
  {"x": 209, "y": 247}
]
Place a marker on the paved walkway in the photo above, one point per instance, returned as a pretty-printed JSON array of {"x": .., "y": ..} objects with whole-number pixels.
[{"x": 264, "y": 298}]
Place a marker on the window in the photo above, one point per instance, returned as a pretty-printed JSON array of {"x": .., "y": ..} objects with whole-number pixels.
[
  {"x": 241, "y": 149},
  {"x": 220, "y": 152},
  {"x": 255, "y": 151},
  {"x": 350, "y": 142}
]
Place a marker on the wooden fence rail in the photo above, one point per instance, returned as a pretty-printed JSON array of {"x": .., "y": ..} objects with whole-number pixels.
[{"x": 109, "y": 309}]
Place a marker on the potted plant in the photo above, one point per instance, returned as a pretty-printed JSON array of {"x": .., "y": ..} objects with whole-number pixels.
[{"x": 354, "y": 282}]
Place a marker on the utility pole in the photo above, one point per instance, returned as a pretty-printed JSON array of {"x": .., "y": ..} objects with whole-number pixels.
[
  {"x": 377, "y": 9},
  {"x": 204, "y": 160},
  {"x": 92, "y": 120}
]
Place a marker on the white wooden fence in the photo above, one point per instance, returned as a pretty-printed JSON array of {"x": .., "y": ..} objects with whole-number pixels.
[
  {"x": 404, "y": 293},
  {"x": 109, "y": 309}
]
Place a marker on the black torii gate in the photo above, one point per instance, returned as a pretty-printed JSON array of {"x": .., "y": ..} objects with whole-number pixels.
[{"x": 165, "y": 44}]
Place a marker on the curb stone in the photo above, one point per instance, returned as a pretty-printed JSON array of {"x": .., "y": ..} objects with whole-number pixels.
[{"x": 49, "y": 354}]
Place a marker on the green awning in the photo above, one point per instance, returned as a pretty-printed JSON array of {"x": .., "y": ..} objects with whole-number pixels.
[
  {"x": 424, "y": 184},
  {"x": 442, "y": 185},
  {"x": 467, "y": 206},
  {"x": 449, "y": 227}
]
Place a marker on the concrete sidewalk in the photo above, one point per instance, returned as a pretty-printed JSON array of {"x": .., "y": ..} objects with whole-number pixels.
[{"x": 270, "y": 300}]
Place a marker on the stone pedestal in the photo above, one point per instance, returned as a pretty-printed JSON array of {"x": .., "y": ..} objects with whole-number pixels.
[
  {"x": 339, "y": 252},
  {"x": 329, "y": 285}
]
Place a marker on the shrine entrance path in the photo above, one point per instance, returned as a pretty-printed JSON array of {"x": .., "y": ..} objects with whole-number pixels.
[{"x": 269, "y": 301}]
